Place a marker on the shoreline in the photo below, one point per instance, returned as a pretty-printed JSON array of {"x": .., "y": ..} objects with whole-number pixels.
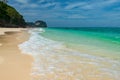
[
  {"x": 54, "y": 61},
  {"x": 14, "y": 65},
  {"x": 49, "y": 60}
]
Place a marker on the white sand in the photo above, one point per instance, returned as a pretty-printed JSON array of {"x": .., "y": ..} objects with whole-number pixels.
[{"x": 13, "y": 64}]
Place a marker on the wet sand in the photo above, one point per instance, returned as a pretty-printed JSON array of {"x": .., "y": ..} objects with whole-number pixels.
[
  {"x": 54, "y": 64},
  {"x": 13, "y": 64}
]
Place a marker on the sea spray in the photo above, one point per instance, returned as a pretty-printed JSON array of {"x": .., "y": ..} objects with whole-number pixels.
[{"x": 53, "y": 61}]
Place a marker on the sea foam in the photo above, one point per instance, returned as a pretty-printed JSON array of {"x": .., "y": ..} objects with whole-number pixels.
[
  {"x": 38, "y": 44},
  {"x": 53, "y": 61}
]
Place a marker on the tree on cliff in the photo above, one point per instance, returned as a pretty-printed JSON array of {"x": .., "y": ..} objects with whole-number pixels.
[
  {"x": 4, "y": 17},
  {"x": 9, "y": 15},
  {"x": 15, "y": 17}
]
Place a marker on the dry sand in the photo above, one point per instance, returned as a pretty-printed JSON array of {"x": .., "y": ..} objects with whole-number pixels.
[{"x": 13, "y": 64}]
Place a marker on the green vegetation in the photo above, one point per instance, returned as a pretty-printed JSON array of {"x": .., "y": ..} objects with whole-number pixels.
[{"x": 9, "y": 16}]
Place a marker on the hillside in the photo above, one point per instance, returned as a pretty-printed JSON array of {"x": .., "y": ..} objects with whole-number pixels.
[{"x": 9, "y": 17}]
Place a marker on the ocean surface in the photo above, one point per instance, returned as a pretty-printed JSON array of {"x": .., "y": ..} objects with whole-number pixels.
[{"x": 74, "y": 53}]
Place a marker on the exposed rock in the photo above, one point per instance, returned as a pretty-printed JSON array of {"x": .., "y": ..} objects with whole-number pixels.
[{"x": 40, "y": 23}]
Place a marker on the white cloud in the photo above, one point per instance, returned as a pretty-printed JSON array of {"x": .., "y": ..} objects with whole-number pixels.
[
  {"x": 91, "y": 4},
  {"x": 68, "y": 10},
  {"x": 74, "y": 5},
  {"x": 48, "y": 5},
  {"x": 103, "y": 3},
  {"x": 27, "y": 5},
  {"x": 23, "y": 1}
]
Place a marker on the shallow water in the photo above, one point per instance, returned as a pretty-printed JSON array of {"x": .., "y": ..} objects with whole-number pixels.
[
  {"x": 98, "y": 41},
  {"x": 69, "y": 54}
]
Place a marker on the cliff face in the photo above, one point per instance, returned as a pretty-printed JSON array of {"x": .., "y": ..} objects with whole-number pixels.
[{"x": 9, "y": 17}]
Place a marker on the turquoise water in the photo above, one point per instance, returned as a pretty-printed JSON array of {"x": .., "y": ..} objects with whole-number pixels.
[
  {"x": 99, "y": 41},
  {"x": 74, "y": 53}
]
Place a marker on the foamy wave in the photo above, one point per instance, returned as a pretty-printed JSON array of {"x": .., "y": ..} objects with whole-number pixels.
[
  {"x": 38, "y": 44},
  {"x": 53, "y": 61}
]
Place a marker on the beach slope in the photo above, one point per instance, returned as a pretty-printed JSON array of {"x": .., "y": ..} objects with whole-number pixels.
[{"x": 13, "y": 64}]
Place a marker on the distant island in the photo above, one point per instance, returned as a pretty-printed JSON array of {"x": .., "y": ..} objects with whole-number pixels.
[
  {"x": 10, "y": 17},
  {"x": 38, "y": 23}
]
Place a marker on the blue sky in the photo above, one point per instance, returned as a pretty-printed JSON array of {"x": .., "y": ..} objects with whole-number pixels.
[{"x": 71, "y": 13}]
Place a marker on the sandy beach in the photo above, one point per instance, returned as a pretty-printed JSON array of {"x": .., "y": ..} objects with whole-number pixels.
[{"x": 13, "y": 64}]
